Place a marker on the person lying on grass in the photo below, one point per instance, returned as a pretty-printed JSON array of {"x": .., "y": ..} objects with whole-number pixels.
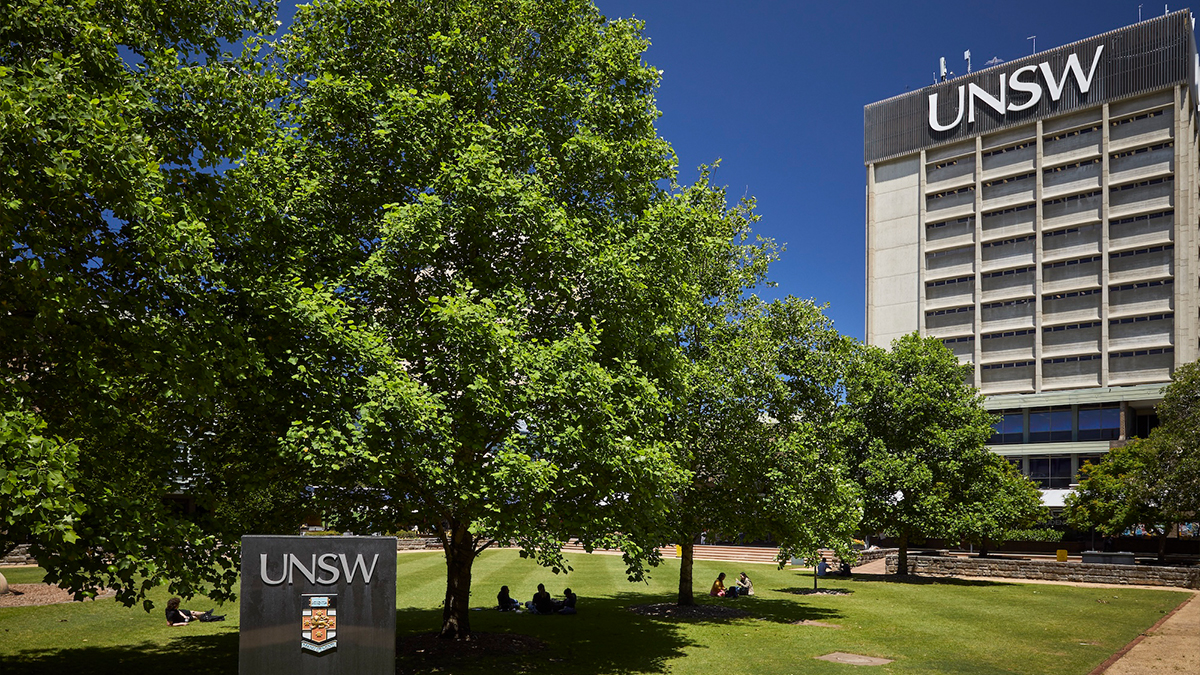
[{"x": 182, "y": 617}]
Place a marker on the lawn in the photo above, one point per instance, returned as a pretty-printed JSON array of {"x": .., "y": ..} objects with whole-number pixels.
[{"x": 926, "y": 626}]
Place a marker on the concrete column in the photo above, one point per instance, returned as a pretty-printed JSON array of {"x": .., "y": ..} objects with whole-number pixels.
[
  {"x": 1104, "y": 241},
  {"x": 1125, "y": 420},
  {"x": 870, "y": 224},
  {"x": 1187, "y": 257},
  {"x": 1037, "y": 263},
  {"x": 921, "y": 182},
  {"x": 978, "y": 292}
]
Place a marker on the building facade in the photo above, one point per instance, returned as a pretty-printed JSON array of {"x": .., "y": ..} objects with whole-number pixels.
[{"x": 1041, "y": 217}]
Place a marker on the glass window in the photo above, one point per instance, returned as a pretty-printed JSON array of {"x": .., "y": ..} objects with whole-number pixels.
[
  {"x": 1051, "y": 473},
  {"x": 1061, "y": 474},
  {"x": 1009, "y": 429},
  {"x": 1039, "y": 470},
  {"x": 1099, "y": 424},
  {"x": 1050, "y": 425}
]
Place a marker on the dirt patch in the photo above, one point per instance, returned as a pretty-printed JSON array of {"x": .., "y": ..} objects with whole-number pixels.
[
  {"x": 429, "y": 647},
  {"x": 26, "y": 595},
  {"x": 666, "y": 610},
  {"x": 819, "y": 624}
]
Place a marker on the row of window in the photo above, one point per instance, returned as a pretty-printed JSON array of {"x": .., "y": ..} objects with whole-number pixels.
[
  {"x": 1053, "y": 472},
  {"x": 1048, "y": 425}
]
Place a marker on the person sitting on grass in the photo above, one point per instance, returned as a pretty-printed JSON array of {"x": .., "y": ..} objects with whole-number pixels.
[
  {"x": 822, "y": 568},
  {"x": 505, "y": 601},
  {"x": 567, "y": 606},
  {"x": 719, "y": 591},
  {"x": 542, "y": 603},
  {"x": 744, "y": 585},
  {"x": 182, "y": 617}
]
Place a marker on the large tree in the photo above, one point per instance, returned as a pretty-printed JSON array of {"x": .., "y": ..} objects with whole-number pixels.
[
  {"x": 480, "y": 187},
  {"x": 755, "y": 420},
  {"x": 1153, "y": 482},
  {"x": 138, "y": 359},
  {"x": 917, "y": 437}
]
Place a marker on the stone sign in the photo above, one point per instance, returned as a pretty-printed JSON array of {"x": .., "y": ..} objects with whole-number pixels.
[{"x": 318, "y": 605}]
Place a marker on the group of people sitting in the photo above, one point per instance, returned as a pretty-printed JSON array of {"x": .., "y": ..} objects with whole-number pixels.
[
  {"x": 743, "y": 587},
  {"x": 541, "y": 603},
  {"x": 824, "y": 569}
]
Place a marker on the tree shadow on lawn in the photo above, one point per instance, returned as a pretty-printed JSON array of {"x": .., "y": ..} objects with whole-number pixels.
[
  {"x": 604, "y": 637},
  {"x": 913, "y": 579},
  {"x": 195, "y": 654}
]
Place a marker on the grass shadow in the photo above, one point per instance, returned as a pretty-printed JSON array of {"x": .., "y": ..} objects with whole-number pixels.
[
  {"x": 604, "y": 637},
  {"x": 196, "y": 654},
  {"x": 913, "y": 579}
]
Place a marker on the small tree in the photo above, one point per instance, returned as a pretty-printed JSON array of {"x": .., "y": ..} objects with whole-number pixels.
[
  {"x": 998, "y": 500},
  {"x": 1154, "y": 482},
  {"x": 917, "y": 436},
  {"x": 756, "y": 427}
]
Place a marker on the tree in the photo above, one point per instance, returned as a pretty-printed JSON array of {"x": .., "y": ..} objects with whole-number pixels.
[
  {"x": 754, "y": 417},
  {"x": 997, "y": 499},
  {"x": 1154, "y": 482},
  {"x": 917, "y": 435},
  {"x": 135, "y": 361},
  {"x": 479, "y": 189}
]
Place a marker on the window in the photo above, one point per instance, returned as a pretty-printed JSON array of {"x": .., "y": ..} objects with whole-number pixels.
[
  {"x": 1099, "y": 423},
  {"x": 1009, "y": 429},
  {"x": 1051, "y": 473},
  {"x": 1049, "y": 424}
]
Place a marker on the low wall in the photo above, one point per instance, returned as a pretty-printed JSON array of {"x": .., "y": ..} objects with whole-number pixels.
[
  {"x": 1140, "y": 575},
  {"x": 19, "y": 556},
  {"x": 418, "y": 544}
]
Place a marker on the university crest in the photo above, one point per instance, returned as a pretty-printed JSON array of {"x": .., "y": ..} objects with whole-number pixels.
[{"x": 318, "y": 622}]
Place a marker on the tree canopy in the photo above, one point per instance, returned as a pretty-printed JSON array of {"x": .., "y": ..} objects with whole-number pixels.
[
  {"x": 1153, "y": 482},
  {"x": 480, "y": 195},
  {"x": 129, "y": 353},
  {"x": 755, "y": 418},
  {"x": 917, "y": 437}
]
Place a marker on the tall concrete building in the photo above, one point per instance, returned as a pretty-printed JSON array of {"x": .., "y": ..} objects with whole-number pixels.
[{"x": 1041, "y": 217}]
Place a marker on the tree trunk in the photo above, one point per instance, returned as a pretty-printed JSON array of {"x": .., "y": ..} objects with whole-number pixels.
[
  {"x": 902, "y": 555},
  {"x": 1162, "y": 545},
  {"x": 983, "y": 548},
  {"x": 686, "y": 560},
  {"x": 456, "y": 612}
]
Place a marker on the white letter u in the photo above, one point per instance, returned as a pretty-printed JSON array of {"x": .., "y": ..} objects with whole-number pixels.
[
  {"x": 262, "y": 570},
  {"x": 933, "y": 120}
]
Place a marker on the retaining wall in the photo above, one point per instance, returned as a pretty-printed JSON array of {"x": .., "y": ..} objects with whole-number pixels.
[
  {"x": 1140, "y": 575},
  {"x": 19, "y": 556}
]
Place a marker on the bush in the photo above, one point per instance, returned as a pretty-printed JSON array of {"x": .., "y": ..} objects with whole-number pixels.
[{"x": 1036, "y": 534}]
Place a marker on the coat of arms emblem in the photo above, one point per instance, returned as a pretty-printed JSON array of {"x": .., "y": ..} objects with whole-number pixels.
[{"x": 318, "y": 622}]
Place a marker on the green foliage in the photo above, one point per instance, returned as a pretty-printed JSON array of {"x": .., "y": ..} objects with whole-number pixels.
[
  {"x": 1153, "y": 482},
  {"x": 917, "y": 436},
  {"x": 37, "y": 495},
  {"x": 1035, "y": 534},
  {"x": 125, "y": 327},
  {"x": 475, "y": 196}
]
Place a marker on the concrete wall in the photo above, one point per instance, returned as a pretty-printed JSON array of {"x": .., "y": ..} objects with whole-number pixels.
[{"x": 893, "y": 255}]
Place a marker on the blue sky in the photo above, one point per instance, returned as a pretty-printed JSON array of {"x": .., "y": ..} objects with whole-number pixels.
[{"x": 776, "y": 91}]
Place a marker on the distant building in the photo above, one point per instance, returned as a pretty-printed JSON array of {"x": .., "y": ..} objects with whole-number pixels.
[{"x": 1040, "y": 217}]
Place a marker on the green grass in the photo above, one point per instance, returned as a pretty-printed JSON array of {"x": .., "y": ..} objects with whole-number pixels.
[{"x": 926, "y": 626}]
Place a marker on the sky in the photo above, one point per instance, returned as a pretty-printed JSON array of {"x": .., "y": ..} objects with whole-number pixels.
[{"x": 775, "y": 90}]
